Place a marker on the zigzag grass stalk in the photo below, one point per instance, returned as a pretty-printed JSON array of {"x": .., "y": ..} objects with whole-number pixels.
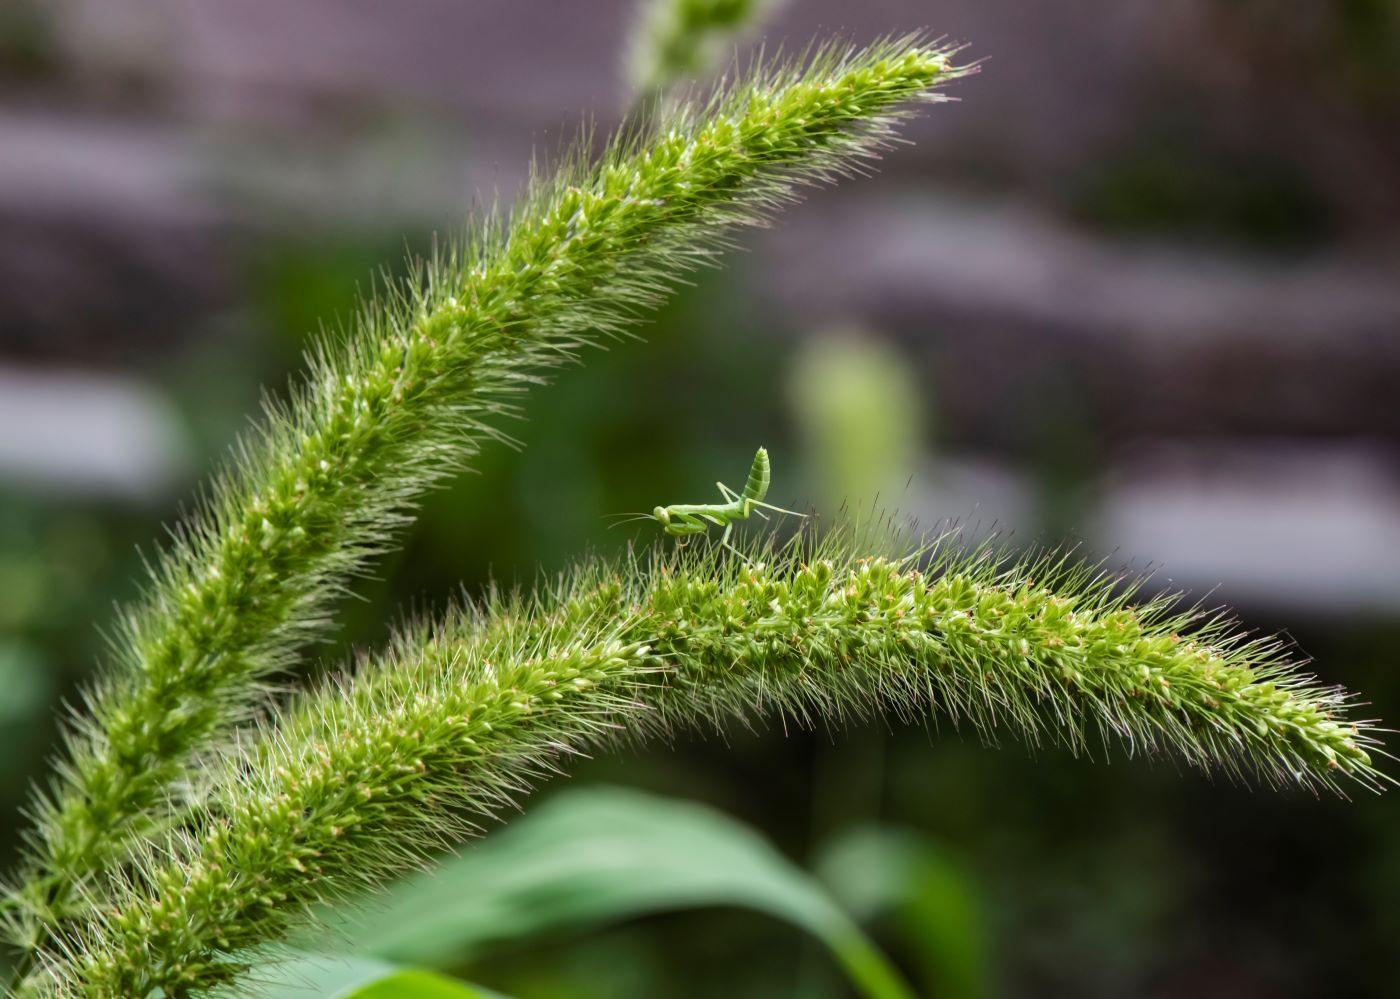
[
  {"x": 365, "y": 777},
  {"x": 404, "y": 398}
]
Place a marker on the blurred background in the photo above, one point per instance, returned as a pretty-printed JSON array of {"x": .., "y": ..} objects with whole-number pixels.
[{"x": 1136, "y": 292}]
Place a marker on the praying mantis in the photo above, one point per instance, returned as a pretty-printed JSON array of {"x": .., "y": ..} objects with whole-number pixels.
[{"x": 684, "y": 520}]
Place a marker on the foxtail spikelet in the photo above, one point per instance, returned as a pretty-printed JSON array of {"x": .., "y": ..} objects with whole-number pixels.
[
  {"x": 406, "y": 396},
  {"x": 366, "y": 776}
]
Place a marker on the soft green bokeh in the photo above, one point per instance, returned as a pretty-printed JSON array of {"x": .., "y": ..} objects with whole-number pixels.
[{"x": 859, "y": 406}]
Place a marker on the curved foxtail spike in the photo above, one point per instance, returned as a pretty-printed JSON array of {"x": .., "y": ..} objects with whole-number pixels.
[
  {"x": 455, "y": 719},
  {"x": 756, "y": 488},
  {"x": 407, "y": 396}
]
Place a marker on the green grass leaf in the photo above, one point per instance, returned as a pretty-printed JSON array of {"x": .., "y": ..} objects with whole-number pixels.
[
  {"x": 339, "y": 976},
  {"x": 590, "y": 857}
]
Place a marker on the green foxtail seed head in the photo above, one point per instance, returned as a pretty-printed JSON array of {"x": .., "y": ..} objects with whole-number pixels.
[
  {"x": 407, "y": 395},
  {"x": 360, "y": 779}
]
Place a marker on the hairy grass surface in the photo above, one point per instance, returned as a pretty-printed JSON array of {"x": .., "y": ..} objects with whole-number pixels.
[
  {"x": 369, "y": 775},
  {"x": 406, "y": 396}
]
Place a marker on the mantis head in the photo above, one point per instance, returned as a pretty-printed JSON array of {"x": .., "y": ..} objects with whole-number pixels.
[{"x": 662, "y": 516}]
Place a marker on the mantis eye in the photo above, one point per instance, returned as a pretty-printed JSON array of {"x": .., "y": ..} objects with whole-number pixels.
[{"x": 662, "y": 515}]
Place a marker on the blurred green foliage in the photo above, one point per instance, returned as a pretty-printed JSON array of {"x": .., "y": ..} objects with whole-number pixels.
[
  {"x": 862, "y": 419},
  {"x": 28, "y": 47},
  {"x": 61, "y": 565},
  {"x": 925, "y": 892},
  {"x": 1367, "y": 39},
  {"x": 1175, "y": 183},
  {"x": 680, "y": 41}
]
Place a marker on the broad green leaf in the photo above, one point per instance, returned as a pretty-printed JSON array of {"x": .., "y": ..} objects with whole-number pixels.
[
  {"x": 419, "y": 985},
  {"x": 593, "y": 856},
  {"x": 336, "y": 976}
]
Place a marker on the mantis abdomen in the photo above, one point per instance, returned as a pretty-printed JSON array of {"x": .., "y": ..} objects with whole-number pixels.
[{"x": 756, "y": 488}]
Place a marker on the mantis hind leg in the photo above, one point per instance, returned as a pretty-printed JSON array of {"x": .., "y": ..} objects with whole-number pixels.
[
  {"x": 729, "y": 495},
  {"x": 777, "y": 509}
]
